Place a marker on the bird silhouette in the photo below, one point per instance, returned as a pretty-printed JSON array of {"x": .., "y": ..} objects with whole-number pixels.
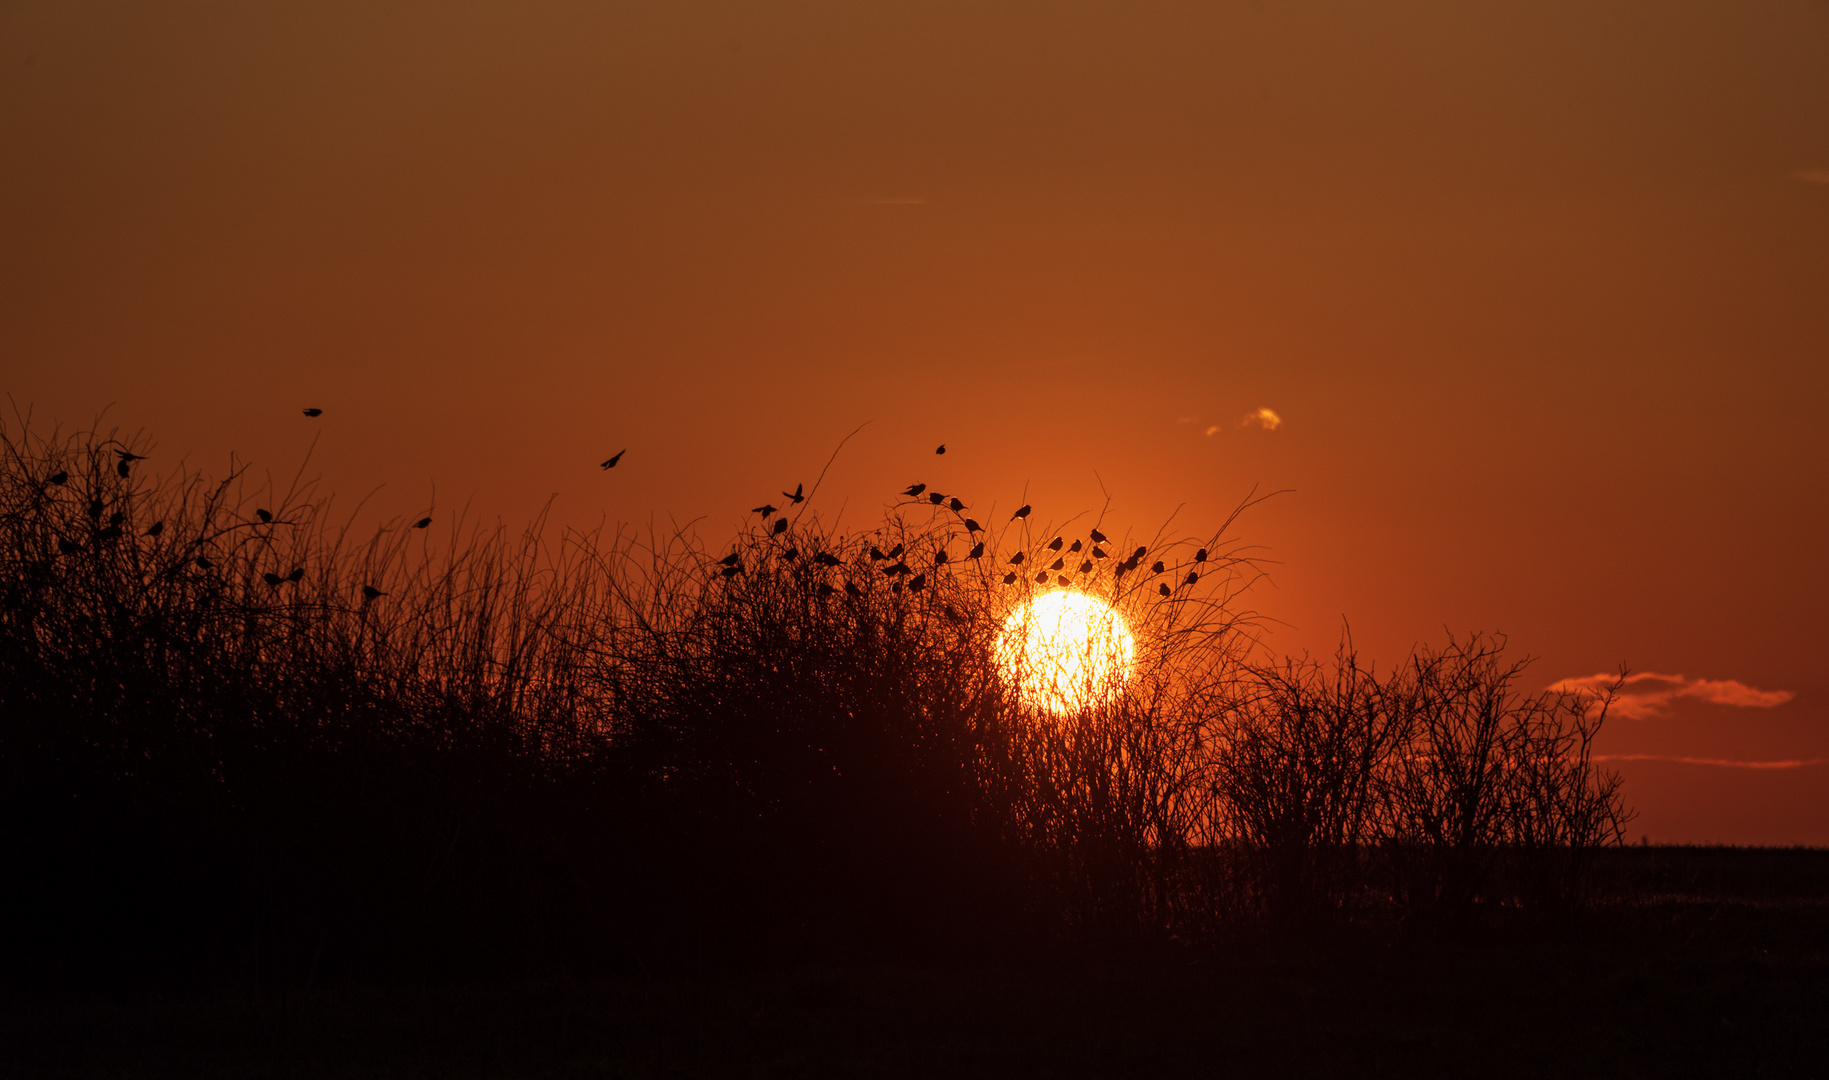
[
  {"x": 875, "y": 554},
  {"x": 1086, "y": 567},
  {"x": 59, "y": 477},
  {"x": 898, "y": 570},
  {"x": 68, "y": 546},
  {"x": 1022, "y": 513},
  {"x": 1062, "y": 580},
  {"x": 155, "y": 528},
  {"x": 977, "y": 550},
  {"x": 780, "y": 525},
  {"x": 1098, "y": 537},
  {"x": 1041, "y": 578},
  {"x": 1057, "y": 564},
  {"x": 95, "y": 509},
  {"x": 1055, "y": 544},
  {"x": 915, "y": 583},
  {"x": 765, "y": 510},
  {"x": 914, "y": 489},
  {"x": 369, "y": 592},
  {"x": 795, "y": 498},
  {"x": 941, "y": 449},
  {"x": 314, "y": 413},
  {"x": 271, "y": 579},
  {"x": 731, "y": 559},
  {"x": 1201, "y": 555},
  {"x": 204, "y": 563},
  {"x": 1138, "y": 554},
  {"x": 791, "y": 554},
  {"x": 954, "y": 505},
  {"x": 940, "y": 557},
  {"x": 825, "y": 589},
  {"x": 112, "y": 532},
  {"x": 1076, "y": 546},
  {"x": 895, "y": 552},
  {"x": 971, "y": 525},
  {"x": 423, "y": 523},
  {"x": 1099, "y": 552},
  {"x": 614, "y": 458},
  {"x": 116, "y": 518},
  {"x": 129, "y": 455},
  {"x": 825, "y": 559},
  {"x": 266, "y": 517},
  {"x": 1016, "y": 559},
  {"x": 1123, "y": 568},
  {"x": 297, "y": 575},
  {"x": 1192, "y": 577},
  {"x": 1010, "y": 578},
  {"x": 730, "y": 572},
  {"x": 896, "y": 587},
  {"x": 852, "y": 590},
  {"x": 1157, "y": 567},
  {"x": 121, "y": 470},
  {"x": 935, "y": 497},
  {"x": 1163, "y": 589}
]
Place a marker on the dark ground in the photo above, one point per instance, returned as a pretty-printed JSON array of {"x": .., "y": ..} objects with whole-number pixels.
[{"x": 1714, "y": 963}]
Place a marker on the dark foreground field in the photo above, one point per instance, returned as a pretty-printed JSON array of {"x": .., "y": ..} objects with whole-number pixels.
[{"x": 1712, "y": 962}]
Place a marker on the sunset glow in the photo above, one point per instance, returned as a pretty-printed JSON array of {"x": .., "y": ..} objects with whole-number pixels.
[{"x": 1065, "y": 650}]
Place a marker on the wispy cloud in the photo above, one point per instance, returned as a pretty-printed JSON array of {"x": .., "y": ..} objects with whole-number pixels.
[
  {"x": 1726, "y": 763},
  {"x": 1212, "y": 429},
  {"x": 1264, "y": 418},
  {"x": 1649, "y": 694},
  {"x": 1811, "y": 176}
]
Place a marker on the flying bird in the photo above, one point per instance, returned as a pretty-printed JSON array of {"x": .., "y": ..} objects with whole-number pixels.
[
  {"x": 1201, "y": 555},
  {"x": 796, "y": 497},
  {"x": 977, "y": 550},
  {"x": 314, "y": 412},
  {"x": 765, "y": 510},
  {"x": 369, "y": 592},
  {"x": 780, "y": 525},
  {"x": 1023, "y": 513},
  {"x": 1055, "y": 545},
  {"x": 1098, "y": 537},
  {"x": 914, "y": 489},
  {"x": 423, "y": 523},
  {"x": 265, "y": 516},
  {"x": 611, "y": 463},
  {"x": 971, "y": 525},
  {"x": 941, "y": 449},
  {"x": 128, "y": 455}
]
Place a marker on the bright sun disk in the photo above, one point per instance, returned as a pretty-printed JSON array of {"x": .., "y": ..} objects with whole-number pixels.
[{"x": 1065, "y": 650}]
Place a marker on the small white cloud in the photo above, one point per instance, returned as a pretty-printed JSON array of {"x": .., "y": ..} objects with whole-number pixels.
[
  {"x": 1212, "y": 428},
  {"x": 1649, "y": 694},
  {"x": 1811, "y": 176},
  {"x": 1262, "y": 417}
]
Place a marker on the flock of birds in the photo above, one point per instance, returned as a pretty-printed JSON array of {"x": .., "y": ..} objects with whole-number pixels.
[{"x": 898, "y": 570}]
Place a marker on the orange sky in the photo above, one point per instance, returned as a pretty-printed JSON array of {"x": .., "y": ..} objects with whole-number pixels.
[{"x": 1540, "y": 292}]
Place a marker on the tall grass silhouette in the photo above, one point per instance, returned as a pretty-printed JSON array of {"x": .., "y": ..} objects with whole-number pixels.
[{"x": 234, "y": 734}]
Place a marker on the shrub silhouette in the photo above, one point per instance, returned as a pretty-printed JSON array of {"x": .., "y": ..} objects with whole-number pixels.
[{"x": 235, "y": 736}]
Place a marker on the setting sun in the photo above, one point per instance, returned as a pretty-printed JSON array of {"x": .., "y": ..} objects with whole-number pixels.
[{"x": 1065, "y": 650}]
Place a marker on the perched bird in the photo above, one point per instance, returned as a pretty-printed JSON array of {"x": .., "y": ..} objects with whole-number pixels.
[
  {"x": 297, "y": 575},
  {"x": 611, "y": 463},
  {"x": 1099, "y": 552},
  {"x": 369, "y": 592},
  {"x": 59, "y": 477},
  {"x": 314, "y": 413},
  {"x": 940, "y": 557},
  {"x": 204, "y": 563},
  {"x": 116, "y": 518},
  {"x": 915, "y": 583},
  {"x": 765, "y": 510},
  {"x": 780, "y": 525},
  {"x": 155, "y": 528},
  {"x": 796, "y": 497},
  {"x": 1163, "y": 589},
  {"x": 1055, "y": 544},
  {"x": 1076, "y": 546},
  {"x": 852, "y": 590},
  {"x": 1157, "y": 567},
  {"x": 265, "y": 517},
  {"x": 791, "y": 554},
  {"x": 112, "y": 532},
  {"x": 914, "y": 489},
  {"x": 1086, "y": 567},
  {"x": 826, "y": 559},
  {"x": 1062, "y": 580},
  {"x": 971, "y": 525},
  {"x": 1022, "y": 513},
  {"x": 731, "y": 559},
  {"x": 954, "y": 504},
  {"x": 121, "y": 470},
  {"x": 1041, "y": 577},
  {"x": 895, "y": 552},
  {"x": 896, "y": 587},
  {"x": 1138, "y": 554},
  {"x": 977, "y": 551},
  {"x": 95, "y": 509},
  {"x": 1016, "y": 559},
  {"x": 1201, "y": 555},
  {"x": 272, "y": 579},
  {"x": 876, "y": 554},
  {"x": 941, "y": 449},
  {"x": 730, "y": 572},
  {"x": 1010, "y": 578},
  {"x": 1192, "y": 577},
  {"x": 1123, "y": 568},
  {"x": 825, "y": 589},
  {"x": 423, "y": 523},
  {"x": 1057, "y": 564},
  {"x": 935, "y": 497},
  {"x": 71, "y": 547},
  {"x": 900, "y": 569},
  {"x": 1098, "y": 537}
]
